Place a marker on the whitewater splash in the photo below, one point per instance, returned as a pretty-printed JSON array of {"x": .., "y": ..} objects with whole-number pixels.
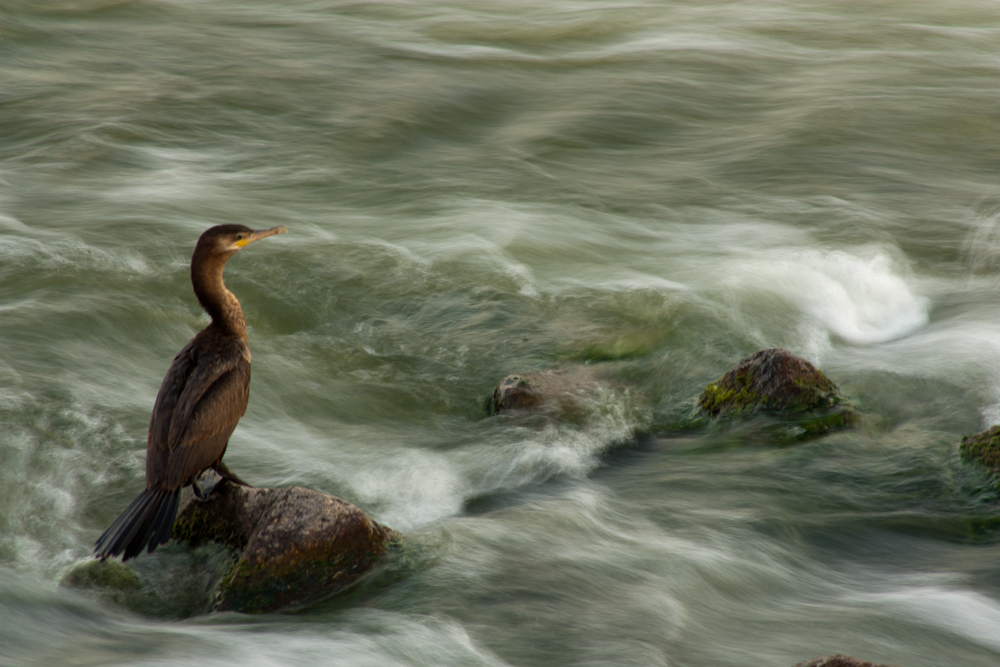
[{"x": 861, "y": 298}]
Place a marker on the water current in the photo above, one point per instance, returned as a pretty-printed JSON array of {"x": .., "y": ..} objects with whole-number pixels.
[{"x": 473, "y": 188}]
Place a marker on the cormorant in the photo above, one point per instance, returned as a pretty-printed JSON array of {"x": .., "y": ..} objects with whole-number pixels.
[{"x": 202, "y": 397}]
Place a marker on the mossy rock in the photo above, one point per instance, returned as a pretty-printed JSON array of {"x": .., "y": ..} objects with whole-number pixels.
[
  {"x": 984, "y": 449},
  {"x": 840, "y": 660},
  {"x": 110, "y": 580},
  {"x": 775, "y": 381},
  {"x": 295, "y": 546},
  {"x": 171, "y": 583},
  {"x": 109, "y": 577}
]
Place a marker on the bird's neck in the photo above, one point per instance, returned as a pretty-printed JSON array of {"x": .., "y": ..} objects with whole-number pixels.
[{"x": 221, "y": 304}]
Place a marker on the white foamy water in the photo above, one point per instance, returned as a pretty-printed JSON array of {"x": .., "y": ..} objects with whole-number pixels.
[
  {"x": 964, "y": 613},
  {"x": 860, "y": 297}
]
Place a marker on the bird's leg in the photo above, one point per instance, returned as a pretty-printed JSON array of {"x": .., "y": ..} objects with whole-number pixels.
[{"x": 226, "y": 473}]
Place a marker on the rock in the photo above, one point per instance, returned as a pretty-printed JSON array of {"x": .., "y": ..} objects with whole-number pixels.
[
  {"x": 172, "y": 583},
  {"x": 110, "y": 579},
  {"x": 294, "y": 546},
  {"x": 840, "y": 660},
  {"x": 516, "y": 392},
  {"x": 564, "y": 393},
  {"x": 778, "y": 382},
  {"x": 984, "y": 449}
]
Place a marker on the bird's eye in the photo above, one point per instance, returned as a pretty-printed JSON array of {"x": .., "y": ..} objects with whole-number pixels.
[{"x": 239, "y": 237}]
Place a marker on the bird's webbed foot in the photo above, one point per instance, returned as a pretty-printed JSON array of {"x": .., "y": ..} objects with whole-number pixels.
[
  {"x": 204, "y": 484},
  {"x": 200, "y": 493}
]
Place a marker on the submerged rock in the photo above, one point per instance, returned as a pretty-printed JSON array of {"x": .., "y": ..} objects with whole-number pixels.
[
  {"x": 564, "y": 392},
  {"x": 778, "y": 382},
  {"x": 294, "y": 546},
  {"x": 110, "y": 579},
  {"x": 172, "y": 583},
  {"x": 983, "y": 448},
  {"x": 840, "y": 660}
]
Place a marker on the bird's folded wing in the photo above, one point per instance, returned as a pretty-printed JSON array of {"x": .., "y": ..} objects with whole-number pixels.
[
  {"x": 192, "y": 374},
  {"x": 202, "y": 439}
]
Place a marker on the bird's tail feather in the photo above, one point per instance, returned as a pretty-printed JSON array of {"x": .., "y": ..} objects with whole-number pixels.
[{"x": 147, "y": 521}]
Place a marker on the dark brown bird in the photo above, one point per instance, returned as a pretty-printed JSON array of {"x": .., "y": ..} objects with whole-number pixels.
[{"x": 200, "y": 401}]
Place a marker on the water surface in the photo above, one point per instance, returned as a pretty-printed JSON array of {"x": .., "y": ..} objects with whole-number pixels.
[{"x": 654, "y": 189}]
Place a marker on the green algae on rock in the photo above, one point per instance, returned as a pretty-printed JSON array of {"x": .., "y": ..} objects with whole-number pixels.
[
  {"x": 775, "y": 381},
  {"x": 983, "y": 448},
  {"x": 109, "y": 576},
  {"x": 296, "y": 546},
  {"x": 172, "y": 583},
  {"x": 108, "y": 579}
]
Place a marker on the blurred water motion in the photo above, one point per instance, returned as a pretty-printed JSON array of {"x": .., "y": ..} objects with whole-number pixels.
[{"x": 478, "y": 188}]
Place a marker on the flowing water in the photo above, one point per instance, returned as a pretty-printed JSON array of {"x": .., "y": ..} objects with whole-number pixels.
[{"x": 652, "y": 189}]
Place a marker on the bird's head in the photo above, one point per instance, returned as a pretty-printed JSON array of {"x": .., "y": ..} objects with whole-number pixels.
[{"x": 228, "y": 239}]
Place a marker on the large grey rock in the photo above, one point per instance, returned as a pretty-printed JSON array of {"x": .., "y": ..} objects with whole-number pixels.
[
  {"x": 293, "y": 546},
  {"x": 776, "y": 381},
  {"x": 840, "y": 660}
]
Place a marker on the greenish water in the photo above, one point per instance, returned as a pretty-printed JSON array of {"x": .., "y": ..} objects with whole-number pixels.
[{"x": 654, "y": 189}]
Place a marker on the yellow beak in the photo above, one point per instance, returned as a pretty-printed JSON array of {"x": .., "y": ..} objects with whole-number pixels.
[{"x": 258, "y": 234}]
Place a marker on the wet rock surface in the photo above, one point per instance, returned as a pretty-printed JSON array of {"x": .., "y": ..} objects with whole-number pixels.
[
  {"x": 840, "y": 660},
  {"x": 778, "y": 382},
  {"x": 294, "y": 546},
  {"x": 563, "y": 393}
]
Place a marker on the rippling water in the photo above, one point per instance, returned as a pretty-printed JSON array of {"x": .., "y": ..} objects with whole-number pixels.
[{"x": 655, "y": 189}]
